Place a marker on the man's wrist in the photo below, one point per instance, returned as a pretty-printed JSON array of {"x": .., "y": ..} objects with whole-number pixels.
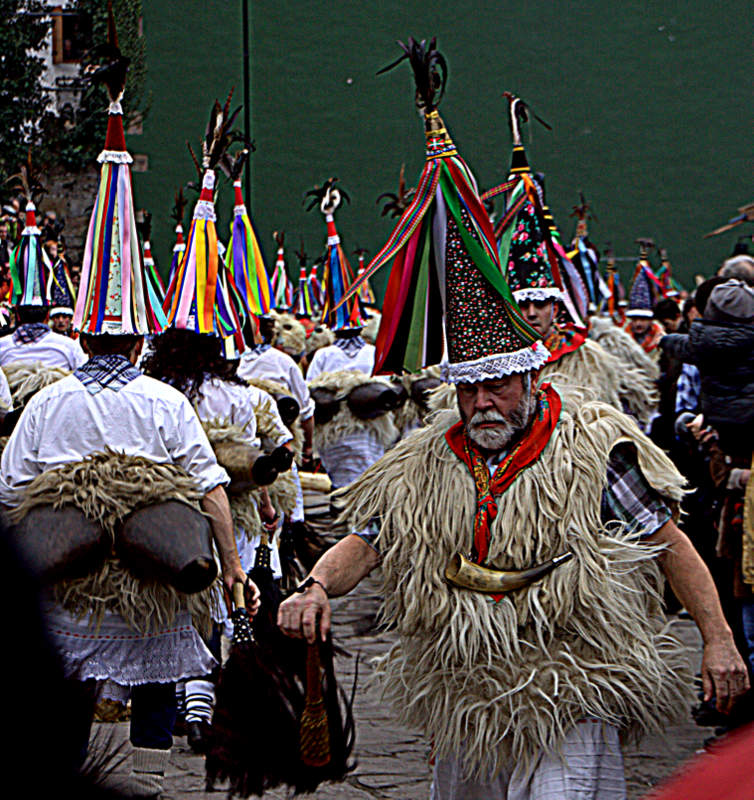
[{"x": 309, "y": 583}]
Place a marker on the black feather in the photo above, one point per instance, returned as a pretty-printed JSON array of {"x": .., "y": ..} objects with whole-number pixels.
[{"x": 430, "y": 71}]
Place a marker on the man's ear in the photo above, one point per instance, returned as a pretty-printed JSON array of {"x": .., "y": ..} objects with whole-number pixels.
[{"x": 136, "y": 352}]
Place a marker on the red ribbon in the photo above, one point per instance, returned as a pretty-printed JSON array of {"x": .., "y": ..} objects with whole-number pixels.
[{"x": 525, "y": 453}]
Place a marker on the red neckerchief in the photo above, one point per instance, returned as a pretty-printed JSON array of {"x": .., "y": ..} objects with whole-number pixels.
[
  {"x": 650, "y": 339},
  {"x": 563, "y": 340},
  {"x": 524, "y": 454}
]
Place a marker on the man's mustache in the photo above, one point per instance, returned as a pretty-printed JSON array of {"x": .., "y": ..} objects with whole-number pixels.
[{"x": 486, "y": 416}]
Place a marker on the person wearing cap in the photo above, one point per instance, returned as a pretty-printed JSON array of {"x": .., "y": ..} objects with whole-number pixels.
[
  {"x": 344, "y": 318},
  {"x": 133, "y": 441},
  {"x": 194, "y": 362},
  {"x": 720, "y": 347},
  {"x": 265, "y": 362},
  {"x": 33, "y": 279},
  {"x": 521, "y": 537},
  {"x": 640, "y": 325}
]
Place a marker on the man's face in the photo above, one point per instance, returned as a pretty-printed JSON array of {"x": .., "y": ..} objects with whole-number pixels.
[
  {"x": 640, "y": 325},
  {"x": 60, "y": 323},
  {"x": 495, "y": 411},
  {"x": 52, "y": 250},
  {"x": 539, "y": 314},
  {"x": 671, "y": 325},
  {"x": 3, "y": 230}
]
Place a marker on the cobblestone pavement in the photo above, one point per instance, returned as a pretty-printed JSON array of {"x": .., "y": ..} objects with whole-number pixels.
[{"x": 392, "y": 761}]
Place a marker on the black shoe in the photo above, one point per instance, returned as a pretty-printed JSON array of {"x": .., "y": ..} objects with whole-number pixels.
[{"x": 197, "y": 734}]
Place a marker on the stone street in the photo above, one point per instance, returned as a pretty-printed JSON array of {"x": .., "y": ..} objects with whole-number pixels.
[{"x": 392, "y": 761}]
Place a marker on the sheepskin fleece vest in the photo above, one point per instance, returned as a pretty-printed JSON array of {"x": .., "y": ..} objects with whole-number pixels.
[
  {"x": 592, "y": 367},
  {"x": 497, "y": 682}
]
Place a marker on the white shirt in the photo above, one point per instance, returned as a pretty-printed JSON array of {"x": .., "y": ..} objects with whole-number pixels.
[
  {"x": 235, "y": 403},
  {"x": 64, "y": 423},
  {"x": 52, "y": 350},
  {"x": 274, "y": 365},
  {"x": 332, "y": 358}
]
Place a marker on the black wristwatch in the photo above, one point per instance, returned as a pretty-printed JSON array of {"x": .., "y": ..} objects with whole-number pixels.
[{"x": 310, "y": 581}]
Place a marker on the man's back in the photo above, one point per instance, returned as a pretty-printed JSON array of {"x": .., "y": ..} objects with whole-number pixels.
[
  {"x": 65, "y": 422},
  {"x": 271, "y": 364},
  {"x": 335, "y": 357},
  {"x": 45, "y": 347}
]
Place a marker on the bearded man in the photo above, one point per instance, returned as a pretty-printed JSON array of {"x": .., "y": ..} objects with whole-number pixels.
[
  {"x": 522, "y": 543},
  {"x": 533, "y": 688}
]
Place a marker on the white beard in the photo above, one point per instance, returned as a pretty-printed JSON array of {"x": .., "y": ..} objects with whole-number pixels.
[{"x": 497, "y": 438}]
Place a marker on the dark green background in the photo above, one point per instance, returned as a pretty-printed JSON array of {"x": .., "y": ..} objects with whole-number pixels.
[{"x": 650, "y": 105}]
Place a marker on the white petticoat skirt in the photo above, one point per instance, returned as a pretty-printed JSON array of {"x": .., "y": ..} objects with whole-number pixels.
[{"x": 115, "y": 652}]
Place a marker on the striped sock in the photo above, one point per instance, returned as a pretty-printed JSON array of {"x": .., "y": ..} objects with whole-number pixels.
[{"x": 200, "y": 700}]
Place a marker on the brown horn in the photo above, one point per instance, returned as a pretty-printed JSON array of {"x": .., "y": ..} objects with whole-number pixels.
[{"x": 467, "y": 575}]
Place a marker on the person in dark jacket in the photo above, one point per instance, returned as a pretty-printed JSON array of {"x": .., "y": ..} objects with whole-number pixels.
[{"x": 721, "y": 345}]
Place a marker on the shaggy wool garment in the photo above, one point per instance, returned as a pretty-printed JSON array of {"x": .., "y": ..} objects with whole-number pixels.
[
  {"x": 501, "y": 682},
  {"x": 26, "y": 378},
  {"x": 107, "y": 487},
  {"x": 372, "y": 327},
  {"x": 344, "y": 423},
  {"x": 411, "y": 415},
  {"x": 616, "y": 341},
  {"x": 274, "y": 388},
  {"x": 243, "y": 505},
  {"x": 607, "y": 379}
]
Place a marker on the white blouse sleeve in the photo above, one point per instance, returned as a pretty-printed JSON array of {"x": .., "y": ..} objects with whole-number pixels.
[{"x": 19, "y": 464}]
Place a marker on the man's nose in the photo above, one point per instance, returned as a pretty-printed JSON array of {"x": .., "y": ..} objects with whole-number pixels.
[{"x": 483, "y": 401}]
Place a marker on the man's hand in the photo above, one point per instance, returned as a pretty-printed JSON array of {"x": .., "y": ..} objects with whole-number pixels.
[
  {"x": 268, "y": 513},
  {"x": 298, "y": 615},
  {"x": 723, "y": 674},
  {"x": 252, "y": 598}
]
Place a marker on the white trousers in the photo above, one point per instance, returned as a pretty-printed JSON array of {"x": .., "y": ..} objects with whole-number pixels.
[{"x": 589, "y": 767}]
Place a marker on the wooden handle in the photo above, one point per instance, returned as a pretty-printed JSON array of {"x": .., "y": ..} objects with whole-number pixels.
[{"x": 239, "y": 599}]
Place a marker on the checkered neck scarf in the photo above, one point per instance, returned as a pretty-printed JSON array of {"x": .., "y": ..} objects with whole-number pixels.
[
  {"x": 30, "y": 332},
  {"x": 350, "y": 346},
  {"x": 106, "y": 372}
]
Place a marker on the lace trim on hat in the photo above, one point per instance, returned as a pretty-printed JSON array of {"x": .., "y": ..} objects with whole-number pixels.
[
  {"x": 29, "y": 230},
  {"x": 115, "y": 157},
  {"x": 239, "y": 210},
  {"x": 537, "y": 293},
  {"x": 496, "y": 366}
]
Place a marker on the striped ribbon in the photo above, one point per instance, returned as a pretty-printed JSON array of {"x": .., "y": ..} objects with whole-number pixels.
[
  {"x": 246, "y": 265},
  {"x": 113, "y": 295}
]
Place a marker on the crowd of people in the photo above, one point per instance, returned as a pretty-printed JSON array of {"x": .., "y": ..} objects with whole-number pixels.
[{"x": 510, "y": 442}]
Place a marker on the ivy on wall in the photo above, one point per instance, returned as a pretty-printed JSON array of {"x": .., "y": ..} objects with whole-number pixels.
[{"x": 26, "y": 122}]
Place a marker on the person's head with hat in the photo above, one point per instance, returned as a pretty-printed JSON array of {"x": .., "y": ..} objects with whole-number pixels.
[
  {"x": 642, "y": 298},
  {"x": 460, "y": 312},
  {"x": 730, "y": 302},
  {"x": 113, "y": 308}
]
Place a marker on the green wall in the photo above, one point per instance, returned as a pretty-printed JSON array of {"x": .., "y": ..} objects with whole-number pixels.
[{"x": 650, "y": 105}]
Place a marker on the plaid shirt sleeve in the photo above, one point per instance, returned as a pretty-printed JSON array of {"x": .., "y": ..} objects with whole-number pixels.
[
  {"x": 688, "y": 390},
  {"x": 628, "y": 497}
]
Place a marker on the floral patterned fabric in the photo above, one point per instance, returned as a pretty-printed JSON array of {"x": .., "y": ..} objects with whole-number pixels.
[{"x": 528, "y": 266}]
